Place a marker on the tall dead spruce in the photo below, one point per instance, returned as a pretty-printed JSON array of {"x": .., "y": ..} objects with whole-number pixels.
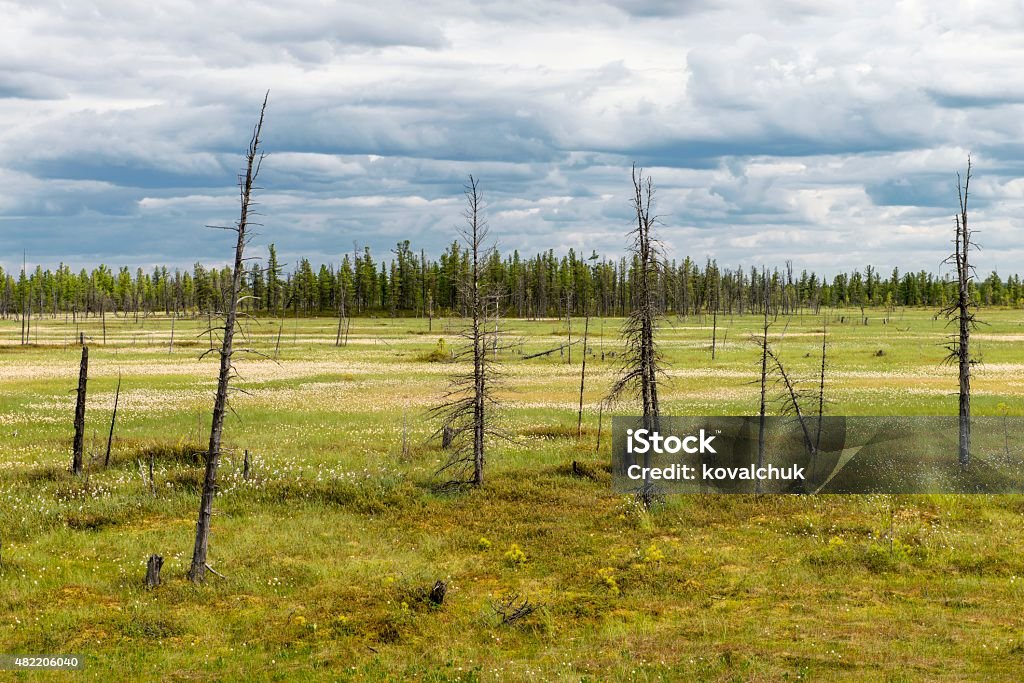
[
  {"x": 254, "y": 159},
  {"x": 961, "y": 312},
  {"x": 642, "y": 362},
  {"x": 762, "y": 411},
  {"x": 467, "y": 410},
  {"x": 78, "y": 445}
]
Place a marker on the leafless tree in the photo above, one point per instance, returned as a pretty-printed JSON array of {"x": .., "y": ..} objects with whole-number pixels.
[
  {"x": 821, "y": 381},
  {"x": 341, "y": 312},
  {"x": 78, "y": 446},
  {"x": 763, "y": 342},
  {"x": 642, "y": 364},
  {"x": 254, "y": 159},
  {"x": 791, "y": 398},
  {"x": 583, "y": 376},
  {"x": 714, "y": 319},
  {"x": 26, "y": 314},
  {"x": 961, "y": 311},
  {"x": 113, "y": 420},
  {"x": 469, "y": 403}
]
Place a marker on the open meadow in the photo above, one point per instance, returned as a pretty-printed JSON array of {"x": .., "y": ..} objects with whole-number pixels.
[{"x": 328, "y": 549}]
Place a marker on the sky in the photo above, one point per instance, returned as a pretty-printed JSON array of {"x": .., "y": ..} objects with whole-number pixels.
[{"x": 828, "y": 134}]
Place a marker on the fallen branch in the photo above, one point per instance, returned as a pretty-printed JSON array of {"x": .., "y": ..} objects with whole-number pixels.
[{"x": 548, "y": 353}]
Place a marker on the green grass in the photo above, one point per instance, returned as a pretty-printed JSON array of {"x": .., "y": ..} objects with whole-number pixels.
[{"x": 328, "y": 548}]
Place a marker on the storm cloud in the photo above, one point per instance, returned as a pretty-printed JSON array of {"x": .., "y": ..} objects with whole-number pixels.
[{"x": 830, "y": 136}]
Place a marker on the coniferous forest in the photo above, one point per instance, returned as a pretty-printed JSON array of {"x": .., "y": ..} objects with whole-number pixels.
[{"x": 409, "y": 283}]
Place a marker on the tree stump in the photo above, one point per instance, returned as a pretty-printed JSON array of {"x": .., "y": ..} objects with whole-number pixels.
[
  {"x": 153, "y": 566},
  {"x": 447, "y": 436},
  {"x": 245, "y": 466},
  {"x": 439, "y": 591}
]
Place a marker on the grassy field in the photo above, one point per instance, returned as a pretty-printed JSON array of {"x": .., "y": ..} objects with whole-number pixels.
[{"x": 327, "y": 550}]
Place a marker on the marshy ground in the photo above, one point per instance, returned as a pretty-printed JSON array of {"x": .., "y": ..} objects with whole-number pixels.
[{"x": 329, "y": 546}]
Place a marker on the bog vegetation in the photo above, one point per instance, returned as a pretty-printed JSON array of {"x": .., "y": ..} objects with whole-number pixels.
[
  {"x": 330, "y": 540},
  {"x": 343, "y": 497}
]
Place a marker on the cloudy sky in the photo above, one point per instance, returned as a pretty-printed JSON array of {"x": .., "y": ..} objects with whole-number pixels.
[{"x": 772, "y": 130}]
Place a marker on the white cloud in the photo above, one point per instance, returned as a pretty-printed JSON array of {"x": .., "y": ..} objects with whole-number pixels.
[{"x": 828, "y": 134}]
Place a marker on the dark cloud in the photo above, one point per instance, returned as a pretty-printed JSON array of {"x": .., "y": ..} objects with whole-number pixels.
[
  {"x": 29, "y": 86},
  {"x": 964, "y": 100},
  {"x": 663, "y": 9},
  {"x": 822, "y": 133}
]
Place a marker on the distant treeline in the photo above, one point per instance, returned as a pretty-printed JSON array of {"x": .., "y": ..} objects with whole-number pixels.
[{"x": 409, "y": 283}]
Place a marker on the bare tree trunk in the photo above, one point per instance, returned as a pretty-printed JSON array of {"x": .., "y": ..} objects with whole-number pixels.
[
  {"x": 79, "y": 442},
  {"x": 24, "y": 299},
  {"x": 821, "y": 383},
  {"x": 341, "y": 316},
  {"x": 583, "y": 378},
  {"x": 642, "y": 358},
  {"x": 965, "y": 319},
  {"x": 497, "y": 322},
  {"x": 962, "y": 312},
  {"x": 762, "y": 420},
  {"x": 254, "y": 159},
  {"x": 714, "y": 331},
  {"x": 568, "y": 322},
  {"x": 153, "y": 567},
  {"x": 479, "y": 380},
  {"x": 793, "y": 400},
  {"x": 466, "y": 414},
  {"x": 113, "y": 421}
]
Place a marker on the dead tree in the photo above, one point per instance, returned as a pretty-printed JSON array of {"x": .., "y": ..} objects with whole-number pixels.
[
  {"x": 714, "y": 331},
  {"x": 961, "y": 311},
  {"x": 791, "y": 398},
  {"x": 641, "y": 367},
  {"x": 113, "y": 421},
  {"x": 254, "y": 160},
  {"x": 762, "y": 427},
  {"x": 568, "y": 323},
  {"x": 821, "y": 382},
  {"x": 174, "y": 316},
  {"x": 469, "y": 402},
  {"x": 153, "y": 566},
  {"x": 341, "y": 313},
  {"x": 25, "y": 319},
  {"x": 583, "y": 377},
  {"x": 714, "y": 318},
  {"x": 78, "y": 445}
]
